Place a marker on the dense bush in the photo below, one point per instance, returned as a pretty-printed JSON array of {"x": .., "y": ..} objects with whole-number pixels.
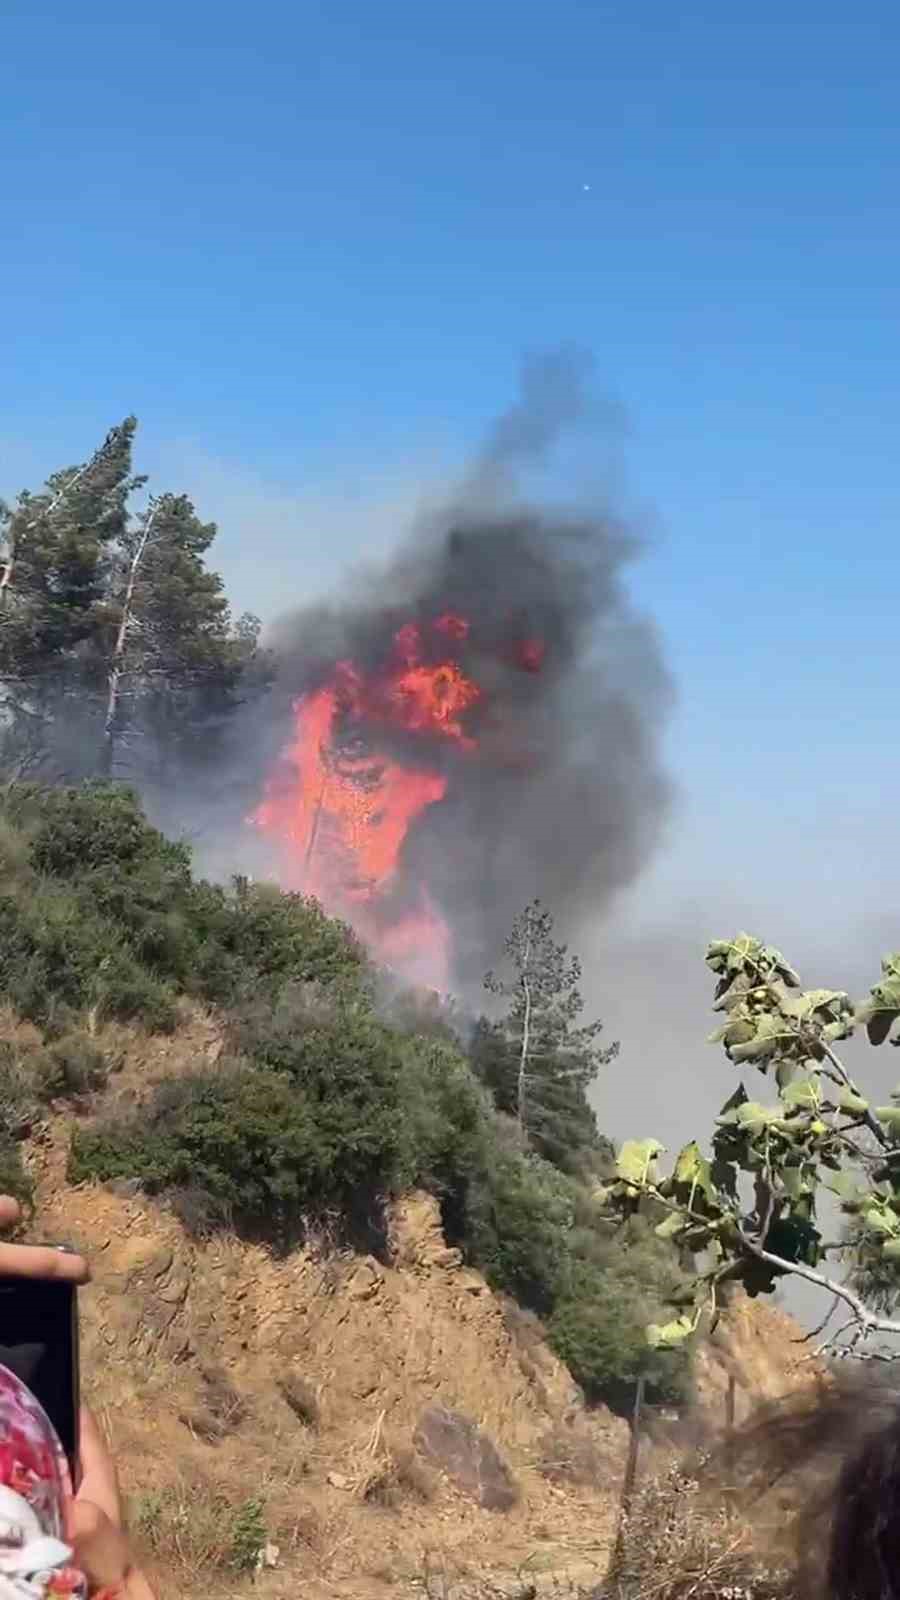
[
  {"x": 99, "y": 912},
  {"x": 243, "y": 1136},
  {"x": 518, "y": 1217},
  {"x": 349, "y": 1116},
  {"x": 598, "y": 1328}
]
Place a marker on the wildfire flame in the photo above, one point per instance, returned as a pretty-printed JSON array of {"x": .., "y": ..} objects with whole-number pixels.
[{"x": 343, "y": 801}]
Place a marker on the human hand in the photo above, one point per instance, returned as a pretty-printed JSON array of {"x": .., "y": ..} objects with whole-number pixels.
[{"x": 36, "y": 1261}]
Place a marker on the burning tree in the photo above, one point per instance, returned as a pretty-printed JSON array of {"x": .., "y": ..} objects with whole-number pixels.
[
  {"x": 749, "y": 1214},
  {"x": 368, "y": 758},
  {"x": 538, "y": 1060}
]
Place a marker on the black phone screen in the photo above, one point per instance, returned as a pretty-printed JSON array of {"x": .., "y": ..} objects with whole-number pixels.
[{"x": 39, "y": 1343}]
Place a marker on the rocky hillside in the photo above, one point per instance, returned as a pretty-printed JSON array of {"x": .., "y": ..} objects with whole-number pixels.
[
  {"x": 214, "y": 1093},
  {"x": 369, "y": 1428}
]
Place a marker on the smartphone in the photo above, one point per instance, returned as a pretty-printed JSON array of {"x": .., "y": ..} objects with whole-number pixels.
[{"x": 39, "y": 1343}]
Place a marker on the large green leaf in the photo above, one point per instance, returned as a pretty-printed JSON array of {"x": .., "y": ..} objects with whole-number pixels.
[
  {"x": 797, "y": 1182},
  {"x": 846, "y": 1186},
  {"x": 747, "y": 957},
  {"x": 754, "y": 1117},
  {"x": 636, "y": 1161},
  {"x": 666, "y": 1335},
  {"x": 692, "y": 1175},
  {"x": 879, "y": 1215},
  {"x": 853, "y": 1104},
  {"x": 670, "y": 1226},
  {"x": 881, "y": 1010},
  {"x": 804, "y": 1094},
  {"x": 889, "y": 1116}
]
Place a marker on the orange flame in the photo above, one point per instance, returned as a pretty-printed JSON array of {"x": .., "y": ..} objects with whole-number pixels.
[
  {"x": 346, "y": 807},
  {"x": 343, "y": 801}
]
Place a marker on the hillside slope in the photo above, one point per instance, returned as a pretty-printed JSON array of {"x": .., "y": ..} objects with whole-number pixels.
[
  {"x": 226, "y": 1375},
  {"x": 229, "y": 1057}
]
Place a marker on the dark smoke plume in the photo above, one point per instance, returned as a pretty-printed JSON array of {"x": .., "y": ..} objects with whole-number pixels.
[{"x": 564, "y": 794}]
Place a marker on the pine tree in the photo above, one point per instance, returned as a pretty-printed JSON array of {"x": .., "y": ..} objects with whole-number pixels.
[
  {"x": 55, "y": 548},
  {"x": 537, "y": 1060},
  {"x": 118, "y": 654},
  {"x": 170, "y": 648}
]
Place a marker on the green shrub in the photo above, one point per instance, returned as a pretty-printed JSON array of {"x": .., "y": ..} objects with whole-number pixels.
[
  {"x": 248, "y": 1536},
  {"x": 15, "y": 1180},
  {"x": 270, "y": 937},
  {"x": 195, "y": 1529},
  {"x": 519, "y": 1214},
  {"x": 598, "y": 1328},
  {"x": 447, "y": 1127},
  {"x": 244, "y": 1137},
  {"x": 20, "y": 1077},
  {"x": 76, "y": 1066},
  {"x": 75, "y": 831},
  {"x": 57, "y": 952},
  {"x": 101, "y": 911}
]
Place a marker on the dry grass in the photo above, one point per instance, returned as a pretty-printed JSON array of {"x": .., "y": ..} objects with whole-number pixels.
[
  {"x": 385, "y": 1474},
  {"x": 571, "y": 1455},
  {"x": 300, "y": 1398},
  {"x": 223, "y": 1410},
  {"x": 676, "y": 1545},
  {"x": 193, "y": 1529}
]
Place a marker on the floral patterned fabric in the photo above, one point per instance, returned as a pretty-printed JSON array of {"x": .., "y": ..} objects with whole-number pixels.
[{"x": 35, "y": 1561}]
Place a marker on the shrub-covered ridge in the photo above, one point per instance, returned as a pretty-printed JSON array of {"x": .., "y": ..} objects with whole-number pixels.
[{"x": 323, "y": 1101}]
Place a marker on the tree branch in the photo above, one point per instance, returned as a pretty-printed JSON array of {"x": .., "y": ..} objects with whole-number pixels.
[
  {"x": 117, "y": 658},
  {"x": 870, "y": 1120}
]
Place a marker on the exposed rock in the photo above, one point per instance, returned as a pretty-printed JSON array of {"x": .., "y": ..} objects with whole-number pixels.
[
  {"x": 470, "y": 1459},
  {"x": 300, "y": 1398},
  {"x": 124, "y": 1188}
]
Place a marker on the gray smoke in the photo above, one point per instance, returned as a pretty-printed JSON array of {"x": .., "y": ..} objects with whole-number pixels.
[{"x": 563, "y": 794}]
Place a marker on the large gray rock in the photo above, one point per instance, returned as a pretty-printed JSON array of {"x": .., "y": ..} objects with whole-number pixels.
[{"x": 457, "y": 1446}]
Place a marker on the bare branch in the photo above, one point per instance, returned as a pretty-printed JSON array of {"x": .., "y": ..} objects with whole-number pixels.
[
  {"x": 821, "y": 1326},
  {"x": 116, "y": 666}
]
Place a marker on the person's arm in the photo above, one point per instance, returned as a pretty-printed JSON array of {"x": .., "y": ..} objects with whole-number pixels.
[
  {"x": 96, "y": 1526},
  {"x": 94, "y": 1521}
]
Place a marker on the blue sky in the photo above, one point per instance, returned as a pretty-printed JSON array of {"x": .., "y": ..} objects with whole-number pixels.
[{"x": 308, "y": 244}]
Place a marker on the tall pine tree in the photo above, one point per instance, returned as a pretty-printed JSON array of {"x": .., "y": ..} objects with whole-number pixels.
[
  {"x": 53, "y": 572},
  {"x": 538, "y": 1060},
  {"x": 118, "y": 654}
]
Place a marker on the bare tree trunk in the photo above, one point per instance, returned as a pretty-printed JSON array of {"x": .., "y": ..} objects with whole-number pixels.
[
  {"x": 526, "y": 1041},
  {"x": 117, "y": 660},
  {"x": 314, "y": 834},
  {"x": 9, "y": 567},
  {"x": 630, "y": 1479}
]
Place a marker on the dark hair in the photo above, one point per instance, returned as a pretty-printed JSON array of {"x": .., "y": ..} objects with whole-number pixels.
[
  {"x": 864, "y": 1548},
  {"x": 823, "y": 1471}
]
